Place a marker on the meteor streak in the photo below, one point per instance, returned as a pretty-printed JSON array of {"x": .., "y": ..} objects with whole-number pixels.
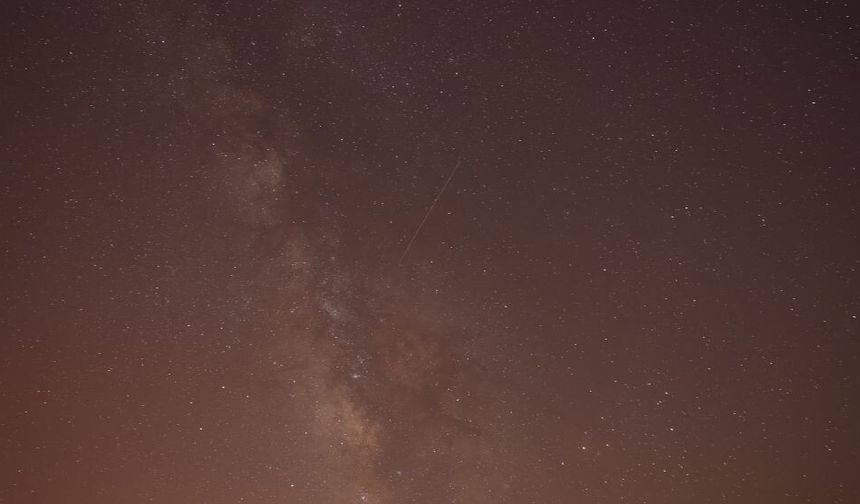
[{"x": 427, "y": 214}]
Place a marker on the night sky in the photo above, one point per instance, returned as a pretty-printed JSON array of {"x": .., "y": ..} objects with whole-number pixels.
[{"x": 336, "y": 251}]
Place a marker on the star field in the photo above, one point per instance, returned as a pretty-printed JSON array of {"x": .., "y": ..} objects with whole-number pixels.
[{"x": 402, "y": 252}]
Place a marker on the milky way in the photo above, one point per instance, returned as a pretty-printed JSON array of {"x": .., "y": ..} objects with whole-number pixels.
[{"x": 237, "y": 265}]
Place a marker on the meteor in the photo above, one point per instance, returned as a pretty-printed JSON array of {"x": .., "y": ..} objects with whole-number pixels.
[{"x": 427, "y": 214}]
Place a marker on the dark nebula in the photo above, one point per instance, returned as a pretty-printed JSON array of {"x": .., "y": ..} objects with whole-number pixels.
[{"x": 639, "y": 285}]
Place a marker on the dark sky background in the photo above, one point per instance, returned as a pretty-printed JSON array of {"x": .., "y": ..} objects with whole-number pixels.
[{"x": 641, "y": 284}]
